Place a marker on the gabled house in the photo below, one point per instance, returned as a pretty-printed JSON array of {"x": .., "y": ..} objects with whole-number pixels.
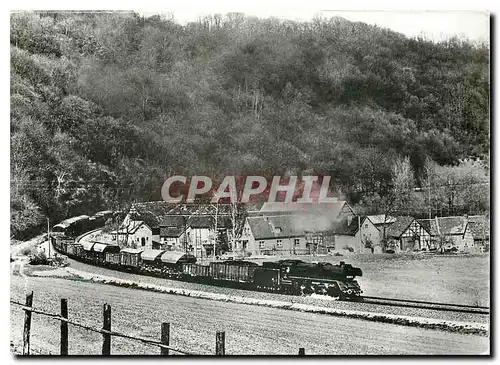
[
  {"x": 140, "y": 228},
  {"x": 449, "y": 232},
  {"x": 406, "y": 234},
  {"x": 173, "y": 233},
  {"x": 272, "y": 235}
]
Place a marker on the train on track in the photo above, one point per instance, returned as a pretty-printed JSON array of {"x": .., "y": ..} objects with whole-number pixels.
[{"x": 293, "y": 277}]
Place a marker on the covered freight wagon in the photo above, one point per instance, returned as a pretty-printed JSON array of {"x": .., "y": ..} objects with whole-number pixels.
[
  {"x": 131, "y": 257},
  {"x": 100, "y": 251}
]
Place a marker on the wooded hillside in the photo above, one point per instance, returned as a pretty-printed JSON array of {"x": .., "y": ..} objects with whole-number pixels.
[{"x": 105, "y": 105}]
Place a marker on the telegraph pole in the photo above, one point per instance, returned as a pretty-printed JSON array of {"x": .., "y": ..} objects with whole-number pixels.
[
  {"x": 48, "y": 234},
  {"x": 215, "y": 235}
]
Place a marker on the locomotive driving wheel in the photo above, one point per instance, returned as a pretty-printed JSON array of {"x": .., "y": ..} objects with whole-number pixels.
[{"x": 334, "y": 291}]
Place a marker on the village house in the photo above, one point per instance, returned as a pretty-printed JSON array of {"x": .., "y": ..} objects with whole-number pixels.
[
  {"x": 140, "y": 227},
  {"x": 191, "y": 227},
  {"x": 357, "y": 234},
  {"x": 173, "y": 233},
  {"x": 406, "y": 234},
  {"x": 272, "y": 235},
  {"x": 449, "y": 233},
  {"x": 169, "y": 226}
]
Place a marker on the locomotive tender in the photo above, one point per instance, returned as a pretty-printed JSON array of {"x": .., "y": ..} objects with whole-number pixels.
[{"x": 293, "y": 277}]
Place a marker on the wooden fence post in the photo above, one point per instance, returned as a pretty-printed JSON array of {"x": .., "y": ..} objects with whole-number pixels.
[
  {"x": 106, "y": 342},
  {"x": 64, "y": 327},
  {"x": 165, "y": 337},
  {"x": 220, "y": 343},
  {"x": 302, "y": 351},
  {"x": 27, "y": 324}
]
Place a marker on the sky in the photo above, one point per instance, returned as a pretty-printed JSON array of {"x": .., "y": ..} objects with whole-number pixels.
[{"x": 434, "y": 25}]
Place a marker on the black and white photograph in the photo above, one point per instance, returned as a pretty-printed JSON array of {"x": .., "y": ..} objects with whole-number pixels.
[{"x": 221, "y": 183}]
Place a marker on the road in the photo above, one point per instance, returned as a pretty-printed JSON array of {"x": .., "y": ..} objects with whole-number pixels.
[{"x": 249, "y": 329}]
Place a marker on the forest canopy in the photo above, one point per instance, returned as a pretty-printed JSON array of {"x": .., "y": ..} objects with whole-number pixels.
[{"x": 104, "y": 106}]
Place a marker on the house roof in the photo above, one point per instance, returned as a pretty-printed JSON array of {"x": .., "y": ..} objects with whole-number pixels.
[
  {"x": 174, "y": 232},
  {"x": 131, "y": 227},
  {"x": 201, "y": 209},
  {"x": 196, "y": 220},
  {"x": 151, "y": 213},
  {"x": 332, "y": 210},
  {"x": 173, "y": 221},
  {"x": 397, "y": 228},
  {"x": 265, "y": 227},
  {"x": 479, "y": 226},
  {"x": 445, "y": 225},
  {"x": 381, "y": 219}
]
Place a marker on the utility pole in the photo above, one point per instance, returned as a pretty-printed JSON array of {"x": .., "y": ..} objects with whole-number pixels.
[
  {"x": 359, "y": 230},
  {"x": 48, "y": 234},
  {"x": 215, "y": 233},
  {"x": 429, "y": 189}
]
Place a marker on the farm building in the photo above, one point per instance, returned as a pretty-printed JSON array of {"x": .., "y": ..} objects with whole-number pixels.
[
  {"x": 407, "y": 234},
  {"x": 272, "y": 235},
  {"x": 449, "y": 233}
]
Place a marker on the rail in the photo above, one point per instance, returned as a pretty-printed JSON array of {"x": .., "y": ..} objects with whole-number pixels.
[
  {"x": 107, "y": 333},
  {"x": 449, "y": 307}
]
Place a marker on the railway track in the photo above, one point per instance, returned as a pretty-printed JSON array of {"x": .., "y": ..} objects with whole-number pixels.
[{"x": 448, "y": 307}]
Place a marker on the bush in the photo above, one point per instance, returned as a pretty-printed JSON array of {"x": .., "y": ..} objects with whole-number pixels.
[{"x": 39, "y": 258}]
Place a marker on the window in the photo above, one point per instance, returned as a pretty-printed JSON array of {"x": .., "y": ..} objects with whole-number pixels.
[
  {"x": 366, "y": 225},
  {"x": 262, "y": 244},
  {"x": 279, "y": 243},
  {"x": 297, "y": 241},
  {"x": 147, "y": 239}
]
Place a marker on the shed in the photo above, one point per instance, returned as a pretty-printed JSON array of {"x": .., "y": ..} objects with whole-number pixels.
[
  {"x": 151, "y": 255},
  {"x": 176, "y": 257}
]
